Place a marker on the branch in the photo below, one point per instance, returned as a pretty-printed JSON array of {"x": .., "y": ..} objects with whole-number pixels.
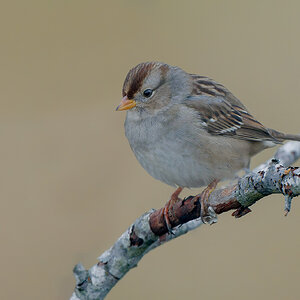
[{"x": 150, "y": 231}]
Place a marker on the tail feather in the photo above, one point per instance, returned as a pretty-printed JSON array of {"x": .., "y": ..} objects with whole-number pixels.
[{"x": 283, "y": 136}]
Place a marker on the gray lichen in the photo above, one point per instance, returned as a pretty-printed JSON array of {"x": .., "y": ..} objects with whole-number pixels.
[{"x": 134, "y": 243}]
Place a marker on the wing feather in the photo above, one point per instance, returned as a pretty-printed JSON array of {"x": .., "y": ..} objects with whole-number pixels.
[{"x": 223, "y": 114}]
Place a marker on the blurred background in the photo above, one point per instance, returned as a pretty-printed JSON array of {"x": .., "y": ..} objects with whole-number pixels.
[{"x": 69, "y": 183}]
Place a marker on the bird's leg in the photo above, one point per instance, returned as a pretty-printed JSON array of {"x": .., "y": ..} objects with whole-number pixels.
[
  {"x": 174, "y": 198},
  {"x": 208, "y": 216}
]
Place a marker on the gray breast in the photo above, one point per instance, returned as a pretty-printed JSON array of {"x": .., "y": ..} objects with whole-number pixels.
[{"x": 168, "y": 149}]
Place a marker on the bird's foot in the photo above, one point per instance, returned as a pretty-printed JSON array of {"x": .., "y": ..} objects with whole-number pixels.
[
  {"x": 240, "y": 212},
  {"x": 208, "y": 215},
  {"x": 166, "y": 210}
]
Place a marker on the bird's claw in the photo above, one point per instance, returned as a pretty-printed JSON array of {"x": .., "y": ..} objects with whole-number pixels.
[
  {"x": 241, "y": 211},
  {"x": 210, "y": 217},
  {"x": 166, "y": 209}
]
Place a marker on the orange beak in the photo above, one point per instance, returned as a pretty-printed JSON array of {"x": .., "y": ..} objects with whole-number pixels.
[{"x": 126, "y": 104}]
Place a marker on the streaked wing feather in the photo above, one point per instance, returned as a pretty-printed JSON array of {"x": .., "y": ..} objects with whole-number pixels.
[{"x": 221, "y": 113}]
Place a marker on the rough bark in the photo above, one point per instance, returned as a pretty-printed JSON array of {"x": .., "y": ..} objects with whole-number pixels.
[{"x": 150, "y": 231}]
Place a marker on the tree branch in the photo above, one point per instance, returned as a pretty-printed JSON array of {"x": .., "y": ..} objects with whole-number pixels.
[{"x": 150, "y": 231}]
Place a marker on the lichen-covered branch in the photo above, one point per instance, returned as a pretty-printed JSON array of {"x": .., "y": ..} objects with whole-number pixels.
[{"x": 150, "y": 230}]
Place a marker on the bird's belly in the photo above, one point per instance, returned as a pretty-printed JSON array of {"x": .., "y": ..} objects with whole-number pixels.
[
  {"x": 188, "y": 165},
  {"x": 180, "y": 153},
  {"x": 173, "y": 169}
]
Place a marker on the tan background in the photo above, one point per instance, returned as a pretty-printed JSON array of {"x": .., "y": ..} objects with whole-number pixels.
[{"x": 68, "y": 180}]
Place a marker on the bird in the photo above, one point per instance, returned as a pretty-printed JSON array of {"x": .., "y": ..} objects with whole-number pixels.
[{"x": 189, "y": 131}]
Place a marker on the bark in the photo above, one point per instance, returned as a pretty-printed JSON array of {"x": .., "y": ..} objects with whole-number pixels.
[{"x": 150, "y": 231}]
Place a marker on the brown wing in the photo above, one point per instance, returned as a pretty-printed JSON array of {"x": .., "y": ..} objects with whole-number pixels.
[{"x": 221, "y": 113}]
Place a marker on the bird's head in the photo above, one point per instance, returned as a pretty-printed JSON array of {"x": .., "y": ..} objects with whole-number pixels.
[{"x": 151, "y": 86}]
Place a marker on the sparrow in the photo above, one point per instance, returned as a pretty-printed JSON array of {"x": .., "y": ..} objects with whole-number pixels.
[{"x": 188, "y": 130}]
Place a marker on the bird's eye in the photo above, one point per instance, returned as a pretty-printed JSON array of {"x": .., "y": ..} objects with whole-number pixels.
[{"x": 148, "y": 93}]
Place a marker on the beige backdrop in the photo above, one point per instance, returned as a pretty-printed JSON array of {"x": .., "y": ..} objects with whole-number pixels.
[{"x": 69, "y": 183}]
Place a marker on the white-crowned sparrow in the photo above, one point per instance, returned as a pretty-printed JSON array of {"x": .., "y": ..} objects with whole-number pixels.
[{"x": 188, "y": 130}]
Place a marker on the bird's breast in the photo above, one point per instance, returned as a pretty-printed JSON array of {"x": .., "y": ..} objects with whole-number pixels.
[
  {"x": 180, "y": 154},
  {"x": 166, "y": 152}
]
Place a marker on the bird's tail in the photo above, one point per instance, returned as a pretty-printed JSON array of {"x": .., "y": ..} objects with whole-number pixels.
[{"x": 283, "y": 136}]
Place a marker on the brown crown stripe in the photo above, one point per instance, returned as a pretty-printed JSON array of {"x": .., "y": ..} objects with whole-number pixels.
[{"x": 136, "y": 76}]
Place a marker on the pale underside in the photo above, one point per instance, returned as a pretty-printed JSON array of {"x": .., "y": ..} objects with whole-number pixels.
[{"x": 171, "y": 151}]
